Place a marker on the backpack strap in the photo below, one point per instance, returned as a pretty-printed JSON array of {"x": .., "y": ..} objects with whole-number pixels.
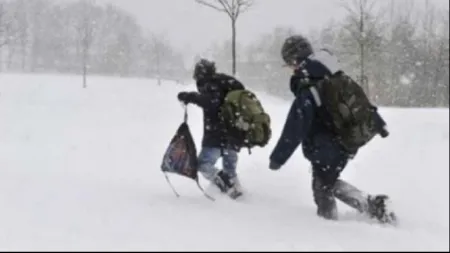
[
  {"x": 316, "y": 96},
  {"x": 313, "y": 88},
  {"x": 185, "y": 114}
]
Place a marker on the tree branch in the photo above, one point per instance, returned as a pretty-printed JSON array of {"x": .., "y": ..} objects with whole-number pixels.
[
  {"x": 244, "y": 5},
  {"x": 233, "y": 9},
  {"x": 346, "y": 6},
  {"x": 222, "y": 8},
  {"x": 227, "y": 6}
]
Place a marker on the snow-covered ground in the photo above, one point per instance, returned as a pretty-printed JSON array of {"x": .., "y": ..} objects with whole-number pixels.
[{"x": 80, "y": 170}]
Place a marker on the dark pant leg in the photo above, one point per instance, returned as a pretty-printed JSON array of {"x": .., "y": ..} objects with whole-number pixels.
[
  {"x": 328, "y": 160},
  {"x": 323, "y": 182}
]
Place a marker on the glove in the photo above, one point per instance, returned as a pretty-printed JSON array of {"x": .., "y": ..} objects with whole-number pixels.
[
  {"x": 274, "y": 166},
  {"x": 384, "y": 132},
  {"x": 183, "y": 96}
]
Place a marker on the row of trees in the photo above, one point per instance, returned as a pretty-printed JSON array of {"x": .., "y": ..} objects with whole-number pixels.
[
  {"x": 398, "y": 52},
  {"x": 82, "y": 37}
]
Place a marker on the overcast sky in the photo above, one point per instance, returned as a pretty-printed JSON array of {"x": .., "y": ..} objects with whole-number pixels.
[{"x": 192, "y": 27}]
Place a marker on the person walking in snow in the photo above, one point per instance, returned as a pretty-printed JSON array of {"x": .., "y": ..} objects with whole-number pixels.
[
  {"x": 313, "y": 121},
  {"x": 212, "y": 87}
]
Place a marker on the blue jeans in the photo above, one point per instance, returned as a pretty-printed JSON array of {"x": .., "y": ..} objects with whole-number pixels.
[{"x": 208, "y": 158}]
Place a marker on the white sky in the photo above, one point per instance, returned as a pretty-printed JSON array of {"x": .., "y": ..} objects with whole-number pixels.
[{"x": 192, "y": 27}]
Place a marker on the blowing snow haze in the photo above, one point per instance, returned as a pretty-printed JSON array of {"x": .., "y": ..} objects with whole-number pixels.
[
  {"x": 193, "y": 27},
  {"x": 88, "y": 106},
  {"x": 403, "y": 61}
]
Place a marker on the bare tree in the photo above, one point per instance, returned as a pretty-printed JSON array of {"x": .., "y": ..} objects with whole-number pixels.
[
  {"x": 156, "y": 51},
  {"x": 4, "y": 25},
  {"x": 86, "y": 34},
  {"x": 233, "y": 8},
  {"x": 397, "y": 64},
  {"x": 439, "y": 57},
  {"x": 362, "y": 27},
  {"x": 5, "y": 28},
  {"x": 163, "y": 61},
  {"x": 23, "y": 30},
  {"x": 446, "y": 53}
]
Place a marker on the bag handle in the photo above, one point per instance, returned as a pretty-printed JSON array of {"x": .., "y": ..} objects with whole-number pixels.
[{"x": 185, "y": 114}]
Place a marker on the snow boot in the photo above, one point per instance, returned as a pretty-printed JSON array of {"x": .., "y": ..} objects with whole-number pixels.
[
  {"x": 227, "y": 185},
  {"x": 375, "y": 206},
  {"x": 378, "y": 207},
  {"x": 236, "y": 189},
  {"x": 222, "y": 181}
]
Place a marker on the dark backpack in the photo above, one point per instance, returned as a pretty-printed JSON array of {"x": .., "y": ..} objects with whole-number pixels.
[
  {"x": 244, "y": 118},
  {"x": 180, "y": 157},
  {"x": 352, "y": 116}
]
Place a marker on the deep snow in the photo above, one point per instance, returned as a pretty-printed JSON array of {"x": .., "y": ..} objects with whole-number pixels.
[{"x": 79, "y": 170}]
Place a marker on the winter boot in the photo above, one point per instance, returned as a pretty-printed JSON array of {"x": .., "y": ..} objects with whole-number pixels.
[
  {"x": 378, "y": 207},
  {"x": 236, "y": 189},
  {"x": 227, "y": 185},
  {"x": 223, "y": 181}
]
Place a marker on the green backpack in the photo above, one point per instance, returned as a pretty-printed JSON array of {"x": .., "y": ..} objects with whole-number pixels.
[
  {"x": 245, "y": 118},
  {"x": 352, "y": 114}
]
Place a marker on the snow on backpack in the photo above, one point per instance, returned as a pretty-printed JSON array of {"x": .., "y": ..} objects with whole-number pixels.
[{"x": 244, "y": 116}]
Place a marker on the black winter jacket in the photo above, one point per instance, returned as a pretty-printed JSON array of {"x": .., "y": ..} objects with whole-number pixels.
[{"x": 210, "y": 96}]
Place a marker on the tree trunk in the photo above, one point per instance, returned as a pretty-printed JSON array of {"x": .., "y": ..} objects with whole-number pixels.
[
  {"x": 85, "y": 61},
  {"x": 1, "y": 58},
  {"x": 158, "y": 67},
  {"x": 23, "y": 55},
  {"x": 11, "y": 54},
  {"x": 84, "y": 68},
  {"x": 233, "y": 45},
  {"x": 364, "y": 79}
]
